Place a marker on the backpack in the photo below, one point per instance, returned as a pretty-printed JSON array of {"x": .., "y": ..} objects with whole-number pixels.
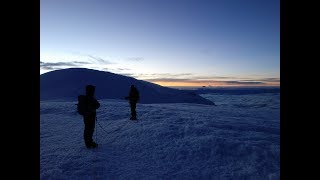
[
  {"x": 134, "y": 95},
  {"x": 82, "y": 104}
]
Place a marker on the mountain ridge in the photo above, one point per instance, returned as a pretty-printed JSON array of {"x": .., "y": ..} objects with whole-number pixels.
[{"x": 71, "y": 82}]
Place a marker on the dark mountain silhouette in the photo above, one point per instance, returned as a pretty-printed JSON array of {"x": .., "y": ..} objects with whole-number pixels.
[{"x": 67, "y": 84}]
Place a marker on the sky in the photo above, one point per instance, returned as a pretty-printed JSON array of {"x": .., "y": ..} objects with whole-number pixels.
[{"x": 167, "y": 42}]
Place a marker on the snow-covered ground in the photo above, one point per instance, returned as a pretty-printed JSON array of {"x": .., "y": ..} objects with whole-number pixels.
[{"x": 237, "y": 139}]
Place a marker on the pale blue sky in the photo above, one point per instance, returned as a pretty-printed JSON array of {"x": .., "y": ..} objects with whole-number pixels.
[{"x": 164, "y": 40}]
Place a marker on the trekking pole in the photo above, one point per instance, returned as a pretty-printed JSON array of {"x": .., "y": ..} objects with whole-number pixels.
[{"x": 96, "y": 130}]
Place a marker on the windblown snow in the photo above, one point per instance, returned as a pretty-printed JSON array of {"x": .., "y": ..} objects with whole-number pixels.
[{"x": 237, "y": 139}]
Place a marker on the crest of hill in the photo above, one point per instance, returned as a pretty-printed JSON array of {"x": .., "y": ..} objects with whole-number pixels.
[{"x": 67, "y": 84}]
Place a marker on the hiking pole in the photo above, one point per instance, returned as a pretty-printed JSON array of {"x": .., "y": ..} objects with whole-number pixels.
[{"x": 95, "y": 125}]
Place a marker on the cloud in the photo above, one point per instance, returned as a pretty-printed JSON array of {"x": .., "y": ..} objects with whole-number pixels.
[
  {"x": 127, "y": 74},
  {"x": 233, "y": 78},
  {"x": 165, "y": 76},
  {"x": 271, "y": 79},
  {"x": 242, "y": 82},
  {"x": 203, "y": 82},
  {"x": 135, "y": 58},
  {"x": 100, "y": 60},
  {"x": 191, "y": 79},
  {"x": 170, "y": 80},
  {"x": 80, "y": 62},
  {"x": 93, "y": 61},
  {"x": 189, "y": 76},
  {"x": 50, "y": 68},
  {"x": 118, "y": 71},
  {"x": 213, "y": 77},
  {"x": 60, "y": 65},
  {"x": 123, "y": 69}
]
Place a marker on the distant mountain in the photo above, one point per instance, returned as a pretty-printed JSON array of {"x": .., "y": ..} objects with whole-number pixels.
[
  {"x": 67, "y": 84},
  {"x": 237, "y": 90}
]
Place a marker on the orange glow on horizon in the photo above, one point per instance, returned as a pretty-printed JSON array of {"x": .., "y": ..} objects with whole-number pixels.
[{"x": 215, "y": 84}]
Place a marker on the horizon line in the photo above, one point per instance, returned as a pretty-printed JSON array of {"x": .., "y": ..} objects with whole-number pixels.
[{"x": 193, "y": 82}]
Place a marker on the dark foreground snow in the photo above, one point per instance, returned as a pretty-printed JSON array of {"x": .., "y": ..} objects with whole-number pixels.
[{"x": 238, "y": 139}]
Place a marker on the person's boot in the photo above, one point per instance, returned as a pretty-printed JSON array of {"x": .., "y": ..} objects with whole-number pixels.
[
  {"x": 88, "y": 145},
  {"x": 94, "y": 145},
  {"x": 91, "y": 145}
]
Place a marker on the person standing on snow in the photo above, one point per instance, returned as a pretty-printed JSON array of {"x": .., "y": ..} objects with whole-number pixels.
[
  {"x": 133, "y": 99},
  {"x": 90, "y": 116}
]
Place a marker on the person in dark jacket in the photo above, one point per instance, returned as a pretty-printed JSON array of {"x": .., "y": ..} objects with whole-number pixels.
[
  {"x": 133, "y": 99},
  {"x": 90, "y": 116}
]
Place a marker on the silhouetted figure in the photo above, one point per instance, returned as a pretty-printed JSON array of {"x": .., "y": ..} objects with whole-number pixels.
[
  {"x": 90, "y": 116},
  {"x": 133, "y": 99}
]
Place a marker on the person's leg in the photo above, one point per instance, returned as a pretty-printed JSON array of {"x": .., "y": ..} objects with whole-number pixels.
[
  {"x": 86, "y": 134},
  {"x": 92, "y": 126},
  {"x": 133, "y": 111},
  {"x": 89, "y": 130}
]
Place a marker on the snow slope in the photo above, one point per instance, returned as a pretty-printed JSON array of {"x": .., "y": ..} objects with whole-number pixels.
[
  {"x": 67, "y": 84},
  {"x": 238, "y": 139}
]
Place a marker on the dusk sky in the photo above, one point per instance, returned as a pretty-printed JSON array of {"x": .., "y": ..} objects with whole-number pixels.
[{"x": 168, "y": 42}]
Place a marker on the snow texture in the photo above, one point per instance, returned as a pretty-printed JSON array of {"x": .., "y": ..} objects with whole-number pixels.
[{"x": 237, "y": 139}]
